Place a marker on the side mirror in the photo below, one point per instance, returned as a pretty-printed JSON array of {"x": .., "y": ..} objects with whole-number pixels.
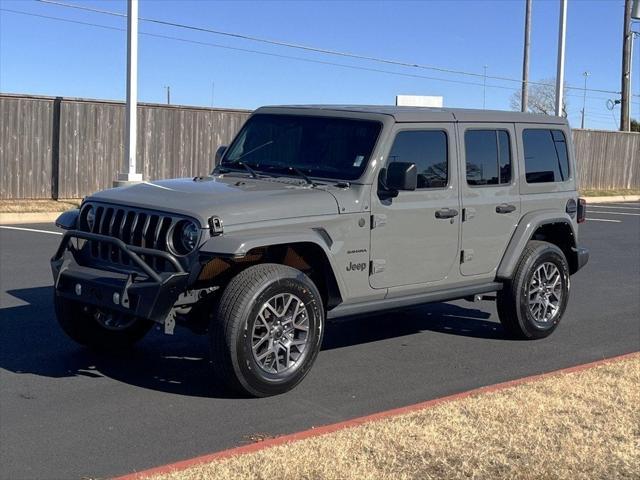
[
  {"x": 402, "y": 176},
  {"x": 219, "y": 154}
]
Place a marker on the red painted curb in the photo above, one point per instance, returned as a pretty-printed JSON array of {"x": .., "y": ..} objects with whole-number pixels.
[{"x": 323, "y": 430}]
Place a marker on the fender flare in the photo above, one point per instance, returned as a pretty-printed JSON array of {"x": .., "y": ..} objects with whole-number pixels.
[
  {"x": 69, "y": 219},
  {"x": 523, "y": 233},
  {"x": 237, "y": 245}
]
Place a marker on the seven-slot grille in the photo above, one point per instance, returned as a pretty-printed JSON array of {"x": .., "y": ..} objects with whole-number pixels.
[{"x": 132, "y": 226}]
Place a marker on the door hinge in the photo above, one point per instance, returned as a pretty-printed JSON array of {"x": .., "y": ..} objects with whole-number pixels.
[
  {"x": 378, "y": 266},
  {"x": 468, "y": 214},
  {"x": 466, "y": 256},
  {"x": 378, "y": 220}
]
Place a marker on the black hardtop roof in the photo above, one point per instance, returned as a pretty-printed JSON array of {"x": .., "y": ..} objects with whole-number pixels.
[{"x": 421, "y": 114}]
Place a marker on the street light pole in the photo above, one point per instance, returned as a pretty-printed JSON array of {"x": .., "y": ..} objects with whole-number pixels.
[
  {"x": 524, "y": 99},
  {"x": 562, "y": 35},
  {"x": 584, "y": 96},
  {"x": 627, "y": 39},
  {"x": 132, "y": 97}
]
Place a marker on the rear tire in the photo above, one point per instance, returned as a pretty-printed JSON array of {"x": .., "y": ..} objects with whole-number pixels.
[
  {"x": 81, "y": 324},
  {"x": 267, "y": 330},
  {"x": 532, "y": 302}
]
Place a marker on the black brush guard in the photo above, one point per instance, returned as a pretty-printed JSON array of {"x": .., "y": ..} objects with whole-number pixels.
[{"x": 136, "y": 290}]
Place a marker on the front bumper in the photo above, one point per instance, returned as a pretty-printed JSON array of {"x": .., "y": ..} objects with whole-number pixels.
[{"x": 136, "y": 290}]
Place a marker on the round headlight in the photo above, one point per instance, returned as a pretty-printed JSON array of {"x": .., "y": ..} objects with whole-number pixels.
[
  {"x": 184, "y": 237},
  {"x": 90, "y": 217}
]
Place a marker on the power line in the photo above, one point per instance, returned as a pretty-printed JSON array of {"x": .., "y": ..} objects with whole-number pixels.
[
  {"x": 308, "y": 48},
  {"x": 259, "y": 52},
  {"x": 276, "y": 55}
]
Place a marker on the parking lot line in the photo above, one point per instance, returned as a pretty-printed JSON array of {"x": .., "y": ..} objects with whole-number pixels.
[
  {"x": 634, "y": 204},
  {"x": 6, "y": 227},
  {"x": 611, "y": 206},
  {"x": 599, "y": 212},
  {"x": 603, "y": 220}
]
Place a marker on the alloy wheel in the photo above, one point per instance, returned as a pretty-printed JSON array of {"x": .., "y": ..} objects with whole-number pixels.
[
  {"x": 545, "y": 293},
  {"x": 280, "y": 333}
]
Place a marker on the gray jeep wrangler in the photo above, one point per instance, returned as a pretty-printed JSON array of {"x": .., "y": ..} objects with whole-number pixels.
[{"x": 320, "y": 212}]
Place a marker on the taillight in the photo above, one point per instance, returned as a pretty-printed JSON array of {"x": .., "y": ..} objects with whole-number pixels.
[{"x": 582, "y": 210}]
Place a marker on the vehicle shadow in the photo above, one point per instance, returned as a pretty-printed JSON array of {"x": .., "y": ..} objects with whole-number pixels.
[{"x": 31, "y": 342}]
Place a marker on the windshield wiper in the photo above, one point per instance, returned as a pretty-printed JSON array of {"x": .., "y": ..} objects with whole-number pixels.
[
  {"x": 300, "y": 173},
  {"x": 251, "y": 171}
]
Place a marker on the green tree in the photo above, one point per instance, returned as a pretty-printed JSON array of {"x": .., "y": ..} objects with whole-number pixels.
[{"x": 635, "y": 125}]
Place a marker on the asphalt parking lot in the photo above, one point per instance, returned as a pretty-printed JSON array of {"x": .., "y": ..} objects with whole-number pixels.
[{"x": 69, "y": 413}]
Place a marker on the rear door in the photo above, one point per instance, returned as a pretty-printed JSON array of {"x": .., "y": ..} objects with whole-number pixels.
[
  {"x": 490, "y": 194},
  {"x": 414, "y": 237}
]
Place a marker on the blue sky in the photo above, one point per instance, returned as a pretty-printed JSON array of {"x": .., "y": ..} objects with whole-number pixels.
[{"x": 44, "y": 56}]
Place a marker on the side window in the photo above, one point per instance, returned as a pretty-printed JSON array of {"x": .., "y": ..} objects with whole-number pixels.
[
  {"x": 545, "y": 155},
  {"x": 428, "y": 150},
  {"x": 488, "y": 155}
]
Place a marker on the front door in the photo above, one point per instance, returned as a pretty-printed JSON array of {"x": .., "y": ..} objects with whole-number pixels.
[
  {"x": 490, "y": 199},
  {"x": 414, "y": 237}
]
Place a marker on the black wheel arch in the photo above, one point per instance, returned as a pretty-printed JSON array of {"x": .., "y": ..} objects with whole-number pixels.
[{"x": 557, "y": 230}]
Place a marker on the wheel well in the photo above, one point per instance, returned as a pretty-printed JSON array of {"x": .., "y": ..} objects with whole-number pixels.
[
  {"x": 561, "y": 235},
  {"x": 304, "y": 256}
]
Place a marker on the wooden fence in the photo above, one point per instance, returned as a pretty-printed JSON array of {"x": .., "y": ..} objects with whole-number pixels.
[
  {"x": 607, "y": 160},
  {"x": 67, "y": 148}
]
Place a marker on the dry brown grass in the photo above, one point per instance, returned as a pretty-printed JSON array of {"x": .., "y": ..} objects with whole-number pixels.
[
  {"x": 37, "y": 206},
  {"x": 582, "y": 425}
]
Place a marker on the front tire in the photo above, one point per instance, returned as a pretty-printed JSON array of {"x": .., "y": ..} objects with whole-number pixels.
[
  {"x": 96, "y": 329},
  {"x": 267, "y": 330},
  {"x": 532, "y": 302}
]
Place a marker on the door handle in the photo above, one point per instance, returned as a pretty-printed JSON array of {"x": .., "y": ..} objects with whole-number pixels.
[
  {"x": 505, "y": 208},
  {"x": 446, "y": 213}
]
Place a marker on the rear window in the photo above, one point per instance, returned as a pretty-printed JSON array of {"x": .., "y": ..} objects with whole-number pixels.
[
  {"x": 488, "y": 155},
  {"x": 545, "y": 155}
]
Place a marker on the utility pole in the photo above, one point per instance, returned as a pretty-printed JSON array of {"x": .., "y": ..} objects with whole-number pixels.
[
  {"x": 524, "y": 99},
  {"x": 132, "y": 97},
  {"x": 562, "y": 35},
  {"x": 625, "y": 121},
  {"x": 168, "y": 94},
  {"x": 584, "y": 96},
  {"x": 484, "y": 88}
]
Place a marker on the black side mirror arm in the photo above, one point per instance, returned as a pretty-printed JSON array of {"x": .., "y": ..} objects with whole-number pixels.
[{"x": 384, "y": 192}]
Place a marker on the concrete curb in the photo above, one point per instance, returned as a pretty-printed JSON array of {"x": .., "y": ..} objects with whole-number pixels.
[
  {"x": 613, "y": 199},
  {"x": 33, "y": 217},
  {"x": 325, "y": 429}
]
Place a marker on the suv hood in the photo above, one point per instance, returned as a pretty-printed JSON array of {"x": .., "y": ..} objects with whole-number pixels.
[{"x": 235, "y": 199}]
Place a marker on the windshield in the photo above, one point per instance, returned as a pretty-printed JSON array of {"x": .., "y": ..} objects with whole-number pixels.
[{"x": 322, "y": 147}]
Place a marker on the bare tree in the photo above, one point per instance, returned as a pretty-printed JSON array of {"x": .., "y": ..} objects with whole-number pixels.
[{"x": 542, "y": 98}]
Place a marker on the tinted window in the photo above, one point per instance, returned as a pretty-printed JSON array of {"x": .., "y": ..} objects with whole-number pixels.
[
  {"x": 488, "y": 155},
  {"x": 318, "y": 146},
  {"x": 428, "y": 150},
  {"x": 545, "y": 155}
]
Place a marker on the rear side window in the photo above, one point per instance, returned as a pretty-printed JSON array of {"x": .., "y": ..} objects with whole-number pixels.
[
  {"x": 488, "y": 156},
  {"x": 545, "y": 155},
  {"x": 428, "y": 150}
]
